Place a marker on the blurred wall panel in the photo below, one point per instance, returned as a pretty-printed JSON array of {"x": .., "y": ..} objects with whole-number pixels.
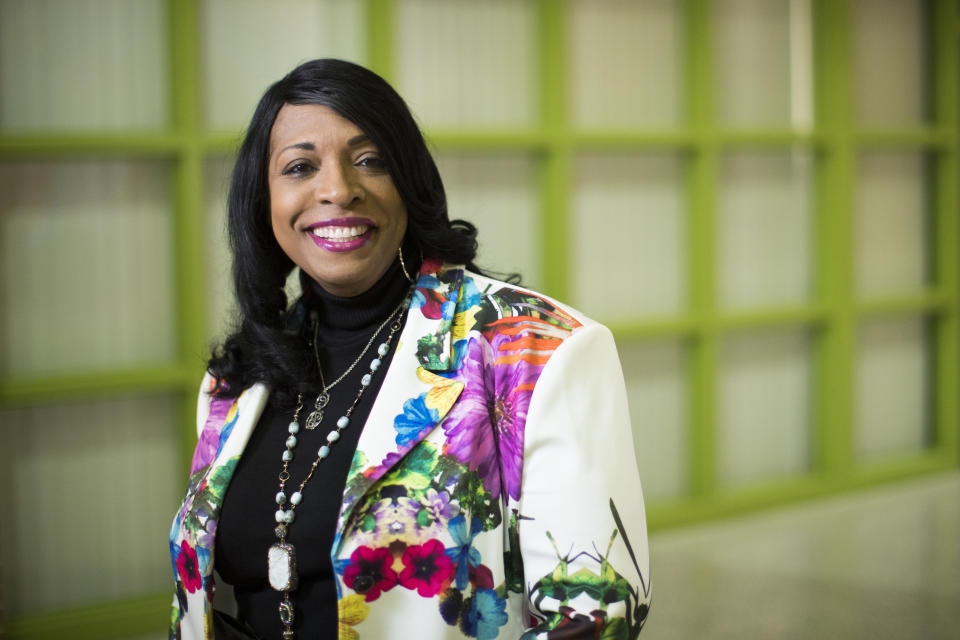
[
  {"x": 626, "y": 63},
  {"x": 83, "y": 64},
  {"x": 219, "y": 281},
  {"x": 498, "y": 194},
  {"x": 893, "y": 388},
  {"x": 656, "y": 376},
  {"x": 891, "y": 223},
  {"x": 890, "y": 66},
  {"x": 88, "y": 493},
  {"x": 764, "y": 229},
  {"x": 467, "y": 63},
  {"x": 86, "y": 266},
  {"x": 762, "y": 62},
  {"x": 764, "y": 407},
  {"x": 248, "y": 45},
  {"x": 628, "y": 235}
]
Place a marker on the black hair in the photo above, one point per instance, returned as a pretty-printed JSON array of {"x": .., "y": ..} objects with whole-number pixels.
[{"x": 259, "y": 350}]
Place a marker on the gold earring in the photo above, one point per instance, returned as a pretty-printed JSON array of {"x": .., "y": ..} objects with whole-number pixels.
[{"x": 403, "y": 265}]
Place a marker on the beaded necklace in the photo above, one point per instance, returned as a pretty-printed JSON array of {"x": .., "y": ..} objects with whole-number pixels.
[{"x": 281, "y": 557}]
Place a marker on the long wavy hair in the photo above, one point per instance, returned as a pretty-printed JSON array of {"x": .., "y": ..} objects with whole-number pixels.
[{"x": 259, "y": 350}]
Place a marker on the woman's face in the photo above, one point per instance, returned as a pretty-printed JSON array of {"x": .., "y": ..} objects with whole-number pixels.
[{"x": 333, "y": 206}]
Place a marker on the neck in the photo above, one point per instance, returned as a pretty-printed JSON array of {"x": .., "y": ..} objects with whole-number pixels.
[{"x": 356, "y": 313}]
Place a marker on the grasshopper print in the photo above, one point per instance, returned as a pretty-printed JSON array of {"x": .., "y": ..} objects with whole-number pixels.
[{"x": 604, "y": 587}]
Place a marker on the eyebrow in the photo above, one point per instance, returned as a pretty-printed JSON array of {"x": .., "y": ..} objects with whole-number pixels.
[{"x": 309, "y": 146}]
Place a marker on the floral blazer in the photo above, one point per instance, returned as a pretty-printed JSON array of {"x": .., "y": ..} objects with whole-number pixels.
[{"x": 494, "y": 491}]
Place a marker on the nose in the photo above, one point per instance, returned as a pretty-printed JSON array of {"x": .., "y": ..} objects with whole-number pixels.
[{"x": 337, "y": 184}]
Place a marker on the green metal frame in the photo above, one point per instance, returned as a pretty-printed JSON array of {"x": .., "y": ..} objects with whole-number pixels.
[{"x": 831, "y": 317}]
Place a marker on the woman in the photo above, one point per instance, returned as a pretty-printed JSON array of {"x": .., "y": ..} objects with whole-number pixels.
[{"x": 412, "y": 449}]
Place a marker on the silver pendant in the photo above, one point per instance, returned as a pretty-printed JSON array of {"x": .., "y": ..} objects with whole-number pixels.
[
  {"x": 314, "y": 420},
  {"x": 316, "y": 416},
  {"x": 282, "y": 566}
]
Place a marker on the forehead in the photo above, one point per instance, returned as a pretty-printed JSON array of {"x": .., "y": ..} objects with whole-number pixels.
[{"x": 310, "y": 123}]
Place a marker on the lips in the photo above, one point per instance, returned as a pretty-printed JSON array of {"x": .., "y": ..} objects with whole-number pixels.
[{"x": 341, "y": 234}]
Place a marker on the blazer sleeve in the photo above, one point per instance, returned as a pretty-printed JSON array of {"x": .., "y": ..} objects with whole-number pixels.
[{"x": 580, "y": 520}]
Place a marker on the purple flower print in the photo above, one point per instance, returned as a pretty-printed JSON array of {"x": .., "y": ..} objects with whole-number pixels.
[
  {"x": 439, "y": 506},
  {"x": 214, "y": 433},
  {"x": 207, "y": 537},
  {"x": 484, "y": 428}
]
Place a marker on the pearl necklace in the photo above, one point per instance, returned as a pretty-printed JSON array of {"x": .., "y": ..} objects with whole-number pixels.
[{"x": 281, "y": 557}]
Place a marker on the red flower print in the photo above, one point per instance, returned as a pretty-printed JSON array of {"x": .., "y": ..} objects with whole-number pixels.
[
  {"x": 426, "y": 568},
  {"x": 369, "y": 572},
  {"x": 481, "y": 577},
  {"x": 188, "y": 568}
]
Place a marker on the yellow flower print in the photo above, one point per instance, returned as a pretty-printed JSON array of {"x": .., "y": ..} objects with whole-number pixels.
[
  {"x": 352, "y": 610},
  {"x": 464, "y": 322},
  {"x": 444, "y": 392}
]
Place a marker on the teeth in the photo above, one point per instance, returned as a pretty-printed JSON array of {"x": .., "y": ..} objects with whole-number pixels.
[{"x": 339, "y": 233}]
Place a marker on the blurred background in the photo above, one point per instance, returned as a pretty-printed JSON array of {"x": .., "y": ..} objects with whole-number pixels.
[{"x": 758, "y": 196}]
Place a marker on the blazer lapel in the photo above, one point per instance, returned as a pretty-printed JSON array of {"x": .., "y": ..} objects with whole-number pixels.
[
  {"x": 414, "y": 398},
  {"x": 225, "y": 434}
]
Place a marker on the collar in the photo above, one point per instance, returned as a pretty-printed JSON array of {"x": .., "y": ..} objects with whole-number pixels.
[{"x": 438, "y": 290}]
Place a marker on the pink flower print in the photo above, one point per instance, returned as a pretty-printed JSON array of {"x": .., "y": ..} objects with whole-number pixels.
[
  {"x": 370, "y": 573},
  {"x": 426, "y": 568},
  {"x": 188, "y": 567}
]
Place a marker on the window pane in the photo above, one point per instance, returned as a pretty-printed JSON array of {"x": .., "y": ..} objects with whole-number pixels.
[
  {"x": 763, "y": 62},
  {"x": 890, "y": 68},
  {"x": 247, "y": 45},
  {"x": 461, "y": 62},
  {"x": 763, "y": 403},
  {"x": 86, "y": 255},
  {"x": 626, "y": 64},
  {"x": 499, "y": 195},
  {"x": 764, "y": 229},
  {"x": 628, "y": 235},
  {"x": 893, "y": 387},
  {"x": 656, "y": 381},
  {"x": 891, "y": 244},
  {"x": 88, "y": 493},
  {"x": 83, "y": 64},
  {"x": 221, "y": 305}
]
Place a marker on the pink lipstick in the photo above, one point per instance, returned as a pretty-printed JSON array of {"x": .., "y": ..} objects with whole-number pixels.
[{"x": 341, "y": 234}]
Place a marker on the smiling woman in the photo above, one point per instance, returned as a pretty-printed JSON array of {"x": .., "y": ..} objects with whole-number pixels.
[
  {"x": 334, "y": 209},
  {"x": 404, "y": 450}
]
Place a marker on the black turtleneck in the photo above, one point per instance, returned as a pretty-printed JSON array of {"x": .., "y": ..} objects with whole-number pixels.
[{"x": 245, "y": 529}]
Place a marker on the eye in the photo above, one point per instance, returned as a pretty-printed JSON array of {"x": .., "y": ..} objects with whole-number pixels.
[
  {"x": 298, "y": 168},
  {"x": 371, "y": 161}
]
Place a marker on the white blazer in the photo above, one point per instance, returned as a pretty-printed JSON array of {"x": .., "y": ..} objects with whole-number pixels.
[{"x": 494, "y": 492}]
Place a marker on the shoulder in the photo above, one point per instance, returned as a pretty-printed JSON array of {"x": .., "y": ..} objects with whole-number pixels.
[
  {"x": 528, "y": 308},
  {"x": 514, "y": 325}
]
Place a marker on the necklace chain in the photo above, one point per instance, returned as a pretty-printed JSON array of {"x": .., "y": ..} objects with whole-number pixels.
[
  {"x": 281, "y": 557},
  {"x": 316, "y": 416}
]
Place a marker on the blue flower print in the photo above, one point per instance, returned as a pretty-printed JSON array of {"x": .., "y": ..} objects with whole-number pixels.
[
  {"x": 415, "y": 418},
  {"x": 470, "y": 295},
  {"x": 463, "y": 554},
  {"x": 486, "y": 615}
]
